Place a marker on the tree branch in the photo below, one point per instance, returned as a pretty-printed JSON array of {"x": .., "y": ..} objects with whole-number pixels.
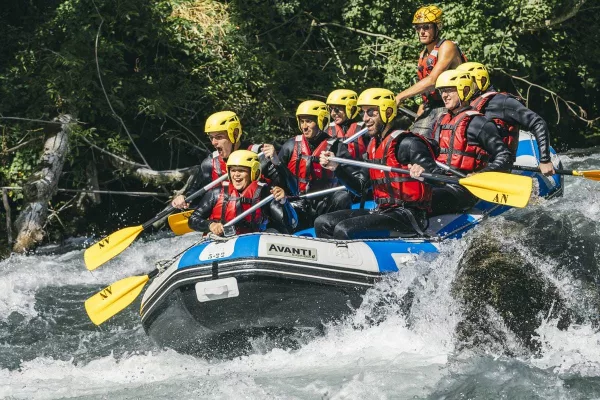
[
  {"x": 549, "y": 23},
  {"x": 117, "y": 117},
  {"x": 579, "y": 113},
  {"x": 17, "y": 147},
  {"x": 146, "y": 175}
]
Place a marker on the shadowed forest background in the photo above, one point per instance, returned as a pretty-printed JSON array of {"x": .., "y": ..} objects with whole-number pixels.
[{"x": 138, "y": 78}]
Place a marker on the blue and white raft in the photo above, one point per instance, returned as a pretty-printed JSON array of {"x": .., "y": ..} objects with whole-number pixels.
[{"x": 266, "y": 280}]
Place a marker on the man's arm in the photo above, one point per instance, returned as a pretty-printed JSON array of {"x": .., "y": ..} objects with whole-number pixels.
[
  {"x": 202, "y": 178},
  {"x": 447, "y": 53},
  {"x": 198, "y": 220},
  {"x": 484, "y": 133},
  {"x": 512, "y": 111},
  {"x": 412, "y": 150},
  {"x": 282, "y": 217},
  {"x": 356, "y": 179}
]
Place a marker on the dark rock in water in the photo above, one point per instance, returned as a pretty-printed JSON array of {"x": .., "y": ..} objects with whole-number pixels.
[{"x": 504, "y": 298}]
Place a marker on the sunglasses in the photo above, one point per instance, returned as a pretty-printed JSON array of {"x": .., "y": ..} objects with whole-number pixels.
[
  {"x": 370, "y": 112},
  {"x": 446, "y": 90},
  {"x": 337, "y": 109},
  {"x": 220, "y": 136},
  {"x": 423, "y": 26}
]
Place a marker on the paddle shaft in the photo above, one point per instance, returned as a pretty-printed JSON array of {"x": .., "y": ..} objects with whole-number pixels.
[
  {"x": 312, "y": 195},
  {"x": 250, "y": 210},
  {"x": 558, "y": 171},
  {"x": 355, "y": 136},
  {"x": 450, "y": 169},
  {"x": 408, "y": 112},
  {"x": 426, "y": 175}
]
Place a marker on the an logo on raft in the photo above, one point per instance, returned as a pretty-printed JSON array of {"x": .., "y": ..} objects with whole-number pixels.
[{"x": 276, "y": 249}]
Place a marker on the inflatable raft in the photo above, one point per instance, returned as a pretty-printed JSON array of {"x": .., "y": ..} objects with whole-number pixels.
[{"x": 266, "y": 280}]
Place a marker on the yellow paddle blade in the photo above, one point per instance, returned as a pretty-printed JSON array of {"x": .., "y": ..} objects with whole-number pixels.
[
  {"x": 114, "y": 298},
  {"x": 179, "y": 222},
  {"x": 592, "y": 174},
  {"x": 500, "y": 188},
  {"x": 99, "y": 253}
]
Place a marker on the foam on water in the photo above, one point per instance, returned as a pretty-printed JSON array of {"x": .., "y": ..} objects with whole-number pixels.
[{"x": 397, "y": 357}]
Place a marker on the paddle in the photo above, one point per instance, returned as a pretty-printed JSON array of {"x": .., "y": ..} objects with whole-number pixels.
[
  {"x": 593, "y": 175},
  {"x": 179, "y": 222},
  {"x": 495, "y": 187},
  {"x": 107, "y": 248},
  {"x": 115, "y": 297}
]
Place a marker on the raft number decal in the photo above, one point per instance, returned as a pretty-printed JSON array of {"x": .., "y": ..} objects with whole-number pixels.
[
  {"x": 275, "y": 249},
  {"x": 501, "y": 198}
]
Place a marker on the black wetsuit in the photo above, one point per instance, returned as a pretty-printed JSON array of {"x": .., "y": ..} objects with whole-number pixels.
[
  {"x": 513, "y": 112},
  {"x": 482, "y": 132},
  {"x": 379, "y": 223},
  {"x": 276, "y": 175},
  {"x": 282, "y": 217},
  {"x": 309, "y": 209}
]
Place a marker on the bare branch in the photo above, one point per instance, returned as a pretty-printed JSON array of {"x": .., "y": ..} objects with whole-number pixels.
[
  {"x": 377, "y": 35},
  {"x": 549, "y": 23},
  {"x": 144, "y": 174},
  {"x": 117, "y": 117},
  {"x": 7, "y": 151},
  {"x": 577, "y": 110},
  {"x": 335, "y": 52}
]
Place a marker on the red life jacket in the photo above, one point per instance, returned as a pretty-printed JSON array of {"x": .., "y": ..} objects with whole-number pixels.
[
  {"x": 508, "y": 132},
  {"x": 426, "y": 64},
  {"x": 306, "y": 167},
  {"x": 231, "y": 204},
  {"x": 393, "y": 189},
  {"x": 219, "y": 167},
  {"x": 356, "y": 148},
  {"x": 455, "y": 151}
]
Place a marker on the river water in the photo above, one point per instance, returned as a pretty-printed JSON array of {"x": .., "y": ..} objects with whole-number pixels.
[{"x": 50, "y": 350}]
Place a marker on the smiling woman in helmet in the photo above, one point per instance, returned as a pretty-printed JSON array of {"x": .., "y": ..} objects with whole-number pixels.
[
  {"x": 241, "y": 191},
  {"x": 438, "y": 56},
  {"x": 468, "y": 141},
  {"x": 402, "y": 201}
]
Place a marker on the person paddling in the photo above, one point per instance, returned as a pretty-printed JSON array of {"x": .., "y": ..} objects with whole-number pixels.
[
  {"x": 241, "y": 191},
  {"x": 300, "y": 154},
  {"x": 510, "y": 114},
  {"x": 468, "y": 142},
  {"x": 224, "y": 130},
  {"x": 438, "y": 56},
  {"x": 402, "y": 200}
]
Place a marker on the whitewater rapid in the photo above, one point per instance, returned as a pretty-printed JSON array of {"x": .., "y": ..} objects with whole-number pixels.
[{"x": 50, "y": 350}]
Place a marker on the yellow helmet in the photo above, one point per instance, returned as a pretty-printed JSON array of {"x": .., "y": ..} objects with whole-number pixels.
[
  {"x": 456, "y": 79},
  {"x": 316, "y": 109},
  {"x": 244, "y": 158},
  {"x": 427, "y": 14},
  {"x": 379, "y": 97},
  {"x": 224, "y": 121},
  {"x": 346, "y": 98},
  {"x": 478, "y": 72}
]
